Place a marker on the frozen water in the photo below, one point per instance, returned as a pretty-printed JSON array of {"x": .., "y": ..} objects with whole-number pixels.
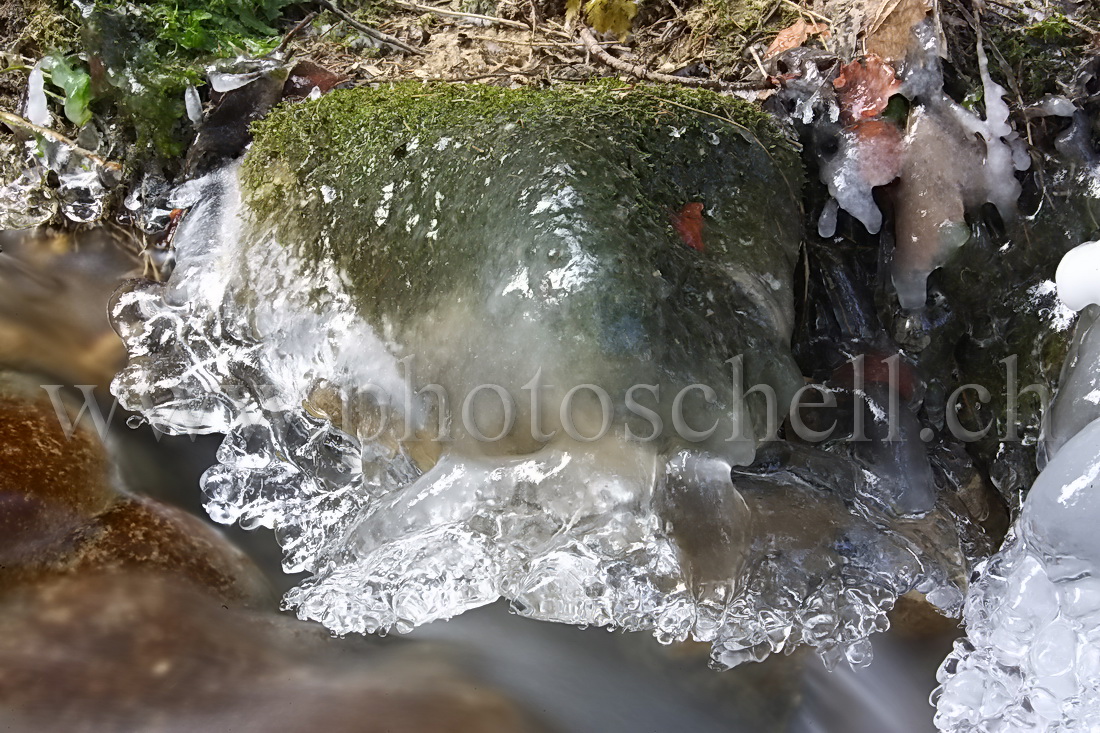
[
  {"x": 949, "y": 161},
  {"x": 955, "y": 161},
  {"x": 1077, "y": 402},
  {"x": 1078, "y": 276},
  {"x": 399, "y": 529},
  {"x": 1031, "y": 659},
  {"x": 37, "y": 110}
]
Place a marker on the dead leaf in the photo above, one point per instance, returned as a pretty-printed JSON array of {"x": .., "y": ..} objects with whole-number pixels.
[
  {"x": 889, "y": 34},
  {"x": 611, "y": 16},
  {"x": 307, "y": 76},
  {"x": 865, "y": 88},
  {"x": 688, "y": 222},
  {"x": 794, "y": 36}
]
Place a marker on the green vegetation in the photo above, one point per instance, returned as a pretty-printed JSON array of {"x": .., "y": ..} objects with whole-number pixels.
[
  {"x": 75, "y": 83},
  {"x": 606, "y": 16},
  {"x": 217, "y": 26},
  {"x": 152, "y": 50},
  {"x": 1037, "y": 55},
  {"x": 362, "y": 140},
  {"x": 729, "y": 27},
  {"x": 367, "y": 117},
  {"x": 349, "y": 134}
]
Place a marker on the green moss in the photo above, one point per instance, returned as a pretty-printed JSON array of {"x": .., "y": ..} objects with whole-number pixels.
[
  {"x": 334, "y": 138},
  {"x": 1055, "y": 29},
  {"x": 150, "y": 51},
  {"x": 742, "y": 15},
  {"x": 730, "y": 26},
  {"x": 50, "y": 27},
  {"x": 364, "y": 119},
  {"x": 358, "y": 139},
  {"x": 1038, "y": 56}
]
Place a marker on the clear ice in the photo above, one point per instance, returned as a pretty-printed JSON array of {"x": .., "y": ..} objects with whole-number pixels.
[
  {"x": 1031, "y": 658},
  {"x": 687, "y": 539}
]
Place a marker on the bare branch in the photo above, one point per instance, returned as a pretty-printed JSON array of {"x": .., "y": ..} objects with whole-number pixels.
[
  {"x": 15, "y": 121},
  {"x": 362, "y": 28}
]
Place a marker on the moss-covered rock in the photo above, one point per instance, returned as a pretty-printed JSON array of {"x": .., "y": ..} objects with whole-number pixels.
[{"x": 494, "y": 231}]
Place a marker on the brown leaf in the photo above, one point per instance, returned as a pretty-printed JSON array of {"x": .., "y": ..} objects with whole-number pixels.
[
  {"x": 307, "y": 75},
  {"x": 865, "y": 88},
  {"x": 794, "y": 36},
  {"x": 688, "y": 222},
  {"x": 889, "y": 34}
]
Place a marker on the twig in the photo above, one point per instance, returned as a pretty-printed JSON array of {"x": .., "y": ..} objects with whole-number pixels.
[
  {"x": 27, "y": 125},
  {"x": 1080, "y": 26},
  {"x": 490, "y": 75},
  {"x": 538, "y": 44},
  {"x": 759, "y": 63},
  {"x": 641, "y": 72},
  {"x": 293, "y": 32},
  {"x": 362, "y": 28},
  {"x": 456, "y": 14}
]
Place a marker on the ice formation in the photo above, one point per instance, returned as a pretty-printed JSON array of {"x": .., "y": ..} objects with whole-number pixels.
[
  {"x": 954, "y": 161},
  {"x": 270, "y": 332},
  {"x": 1031, "y": 659},
  {"x": 1078, "y": 276},
  {"x": 1077, "y": 402},
  {"x": 949, "y": 161},
  {"x": 84, "y": 179}
]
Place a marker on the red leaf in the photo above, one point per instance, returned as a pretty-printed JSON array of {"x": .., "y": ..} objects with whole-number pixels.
[
  {"x": 865, "y": 88},
  {"x": 306, "y": 75},
  {"x": 689, "y": 224}
]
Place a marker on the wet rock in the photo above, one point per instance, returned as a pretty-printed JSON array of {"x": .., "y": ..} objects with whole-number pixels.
[
  {"x": 148, "y": 604},
  {"x": 50, "y": 483},
  {"x": 224, "y": 133},
  {"x": 514, "y": 217},
  {"x": 63, "y": 515},
  {"x": 578, "y": 240}
]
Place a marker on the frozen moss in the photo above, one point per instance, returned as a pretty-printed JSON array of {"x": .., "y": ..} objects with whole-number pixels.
[{"x": 362, "y": 142}]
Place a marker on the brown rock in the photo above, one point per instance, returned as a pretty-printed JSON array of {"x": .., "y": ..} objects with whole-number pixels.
[
  {"x": 913, "y": 617},
  {"x": 59, "y": 512},
  {"x": 140, "y": 534},
  {"x": 49, "y": 483}
]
